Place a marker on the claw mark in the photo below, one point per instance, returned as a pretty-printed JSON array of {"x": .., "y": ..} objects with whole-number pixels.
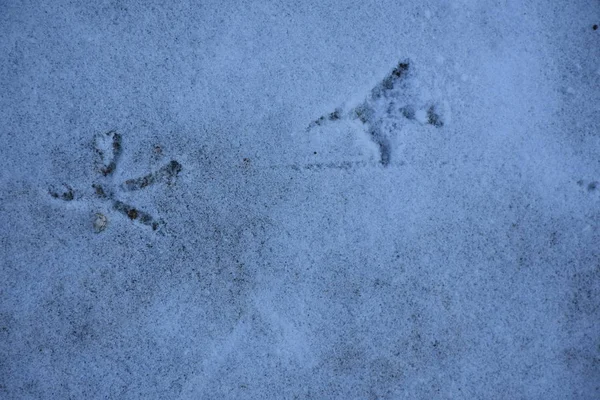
[
  {"x": 99, "y": 191},
  {"x": 385, "y": 147},
  {"x": 383, "y": 109},
  {"x": 66, "y": 194},
  {"x": 433, "y": 117},
  {"x": 108, "y": 149},
  {"x": 408, "y": 112},
  {"x": 134, "y": 214},
  {"x": 167, "y": 173},
  {"x": 390, "y": 81},
  {"x": 334, "y": 116}
]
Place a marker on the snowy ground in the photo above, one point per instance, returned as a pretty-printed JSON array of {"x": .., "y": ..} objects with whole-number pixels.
[{"x": 273, "y": 200}]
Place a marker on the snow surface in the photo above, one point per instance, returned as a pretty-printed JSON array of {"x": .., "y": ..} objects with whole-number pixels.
[{"x": 289, "y": 258}]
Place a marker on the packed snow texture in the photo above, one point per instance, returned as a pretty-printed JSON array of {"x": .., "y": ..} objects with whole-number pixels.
[{"x": 312, "y": 200}]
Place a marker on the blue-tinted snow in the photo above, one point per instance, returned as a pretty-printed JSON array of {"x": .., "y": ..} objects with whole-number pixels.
[{"x": 288, "y": 261}]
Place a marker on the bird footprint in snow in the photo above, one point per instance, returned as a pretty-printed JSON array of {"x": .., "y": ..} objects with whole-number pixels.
[
  {"x": 386, "y": 106},
  {"x": 108, "y": 150}
]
